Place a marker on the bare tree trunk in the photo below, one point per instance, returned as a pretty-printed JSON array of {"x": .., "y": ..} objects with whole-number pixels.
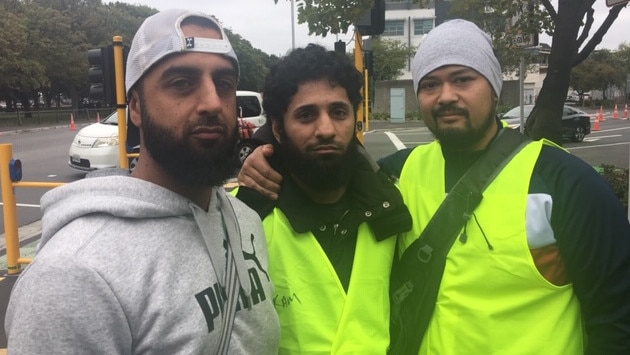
[{"x": 545, "y": 121}]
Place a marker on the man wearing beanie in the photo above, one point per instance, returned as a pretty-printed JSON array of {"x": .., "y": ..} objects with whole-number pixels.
[
  {"x": 156, "y": 261},
  {"x": 541, "y": 265}
]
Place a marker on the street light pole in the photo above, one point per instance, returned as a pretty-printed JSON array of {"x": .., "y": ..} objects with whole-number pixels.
[{"x": 292, "y": 25}]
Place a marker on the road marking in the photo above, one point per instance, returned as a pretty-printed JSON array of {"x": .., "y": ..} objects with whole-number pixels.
[
  {"x": 600, "y": 137},
  {"x": 397, "y": 143},
  {"x": 599, "y": 146}
]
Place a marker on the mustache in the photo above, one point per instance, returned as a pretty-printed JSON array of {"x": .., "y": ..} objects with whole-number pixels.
[
  {"x": 450, "y": 110},
  {"x": 325, "y": 143}
]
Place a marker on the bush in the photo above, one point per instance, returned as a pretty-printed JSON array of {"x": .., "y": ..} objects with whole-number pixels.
[
  {"x": 618, "y": 180},
  {"x": 379, "y": 116}
]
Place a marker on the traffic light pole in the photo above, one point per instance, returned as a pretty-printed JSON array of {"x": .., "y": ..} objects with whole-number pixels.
[
  {"x": 121, "y": 101},
  {"x": 358, "y": 63}
]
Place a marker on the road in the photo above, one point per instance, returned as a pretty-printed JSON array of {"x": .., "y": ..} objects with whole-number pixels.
[
  {"x": 610, "y": 145},
  {"x": 44, "y": 153},
  {"x": 44, "y": 157}
]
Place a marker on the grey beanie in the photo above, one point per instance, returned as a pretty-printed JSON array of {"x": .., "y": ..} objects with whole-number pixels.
[{"x": 457, "y": 42}]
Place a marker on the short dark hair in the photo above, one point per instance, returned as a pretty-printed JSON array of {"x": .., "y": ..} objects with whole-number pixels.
[{"x": 301, "y": 65}]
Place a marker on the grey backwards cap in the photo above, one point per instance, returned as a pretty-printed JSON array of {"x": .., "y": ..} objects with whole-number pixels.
[
  {"x": 457, "y": 42},
  {"x": 161, "y": 35}
]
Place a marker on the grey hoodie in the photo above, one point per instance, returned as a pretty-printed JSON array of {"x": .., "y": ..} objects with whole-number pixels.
[{"x": 128, "y": 267}]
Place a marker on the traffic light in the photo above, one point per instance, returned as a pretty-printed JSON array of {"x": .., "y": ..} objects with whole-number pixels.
[
  {"x": 102, "y": 74},
  {"x": 95, "y": 74},
  {"x": 372, "y": 23},
  {"x": 340, "y": 47},
  {"x": 368, "y": 60}
]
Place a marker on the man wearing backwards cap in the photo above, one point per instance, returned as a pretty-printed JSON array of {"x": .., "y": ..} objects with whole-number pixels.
[
  {"x": 542, "y": 264},
  {"x": 156, "y": 261}
]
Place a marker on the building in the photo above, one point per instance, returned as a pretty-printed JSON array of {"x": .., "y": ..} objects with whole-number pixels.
[{"x": 407, "y": 22}]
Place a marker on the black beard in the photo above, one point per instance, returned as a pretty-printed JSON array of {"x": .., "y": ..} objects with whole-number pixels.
[
  {"x": 319, "y": 173},
  {"x": 210, "y": 166},
  {"x": 462, "y": 139}
]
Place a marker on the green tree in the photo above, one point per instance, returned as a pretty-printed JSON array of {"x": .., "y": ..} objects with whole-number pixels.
[
  {"x": 253, "y": 63},
  {"x": 330, "y": 16},
  {"x": 21, "y": 73},
  {"x": 390, "y": 57},
  {"x": 601, "y": 71},
  {"x": 59, "y": 49}
]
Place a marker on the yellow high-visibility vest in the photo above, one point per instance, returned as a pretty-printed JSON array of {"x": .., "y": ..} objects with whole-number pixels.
[
  {"x": 316, "y": 315},
  {"x": 491, "y": 301}
]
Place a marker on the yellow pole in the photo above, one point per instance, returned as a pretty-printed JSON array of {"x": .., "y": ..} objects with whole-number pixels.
[
  {"x": 121, "y": 101},
  {"x": 366, "y": 100},
  {"x": 10, "y": 211},
  {"x": 358, "y": 63}
]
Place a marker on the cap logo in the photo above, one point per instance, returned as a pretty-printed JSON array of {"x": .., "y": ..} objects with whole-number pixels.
[
  {"x": 208, "y": 45},
  {"x": 190, "y": 42}
]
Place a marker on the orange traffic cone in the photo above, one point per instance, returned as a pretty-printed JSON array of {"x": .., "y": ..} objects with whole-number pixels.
[
  {"x": 596, "y": 126},
  {"x": 98, "y": 117},
  {"x": 616, "y": 113},
  {"x": 625, "y": 112},
  {"x": 73, "y": 126},
  {"x": 600, "y": 114}
]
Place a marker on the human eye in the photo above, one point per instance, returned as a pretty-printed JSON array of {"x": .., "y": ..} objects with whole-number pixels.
[
  {"x": 340, "y": 113},
  {"x": 305, "y": 115},
  {"x": 464, "y": 79},
  {"x": 181, "y": 83},
  {"x": 428, "y": 85},
  {"x": 225, "y": 85}
]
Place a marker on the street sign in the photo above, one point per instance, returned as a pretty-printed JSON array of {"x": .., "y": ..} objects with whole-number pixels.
[{"x": 611, "y": 3}]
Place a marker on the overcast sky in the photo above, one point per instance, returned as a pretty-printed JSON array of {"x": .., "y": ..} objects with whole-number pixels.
[{"x": 268, "y": 26}]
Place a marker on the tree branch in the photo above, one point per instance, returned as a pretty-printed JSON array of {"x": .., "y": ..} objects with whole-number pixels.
[
  {"x": 599, "y": 34},
  {"x": 587, "y": 27},
  {"x": 550, "y": 9}
]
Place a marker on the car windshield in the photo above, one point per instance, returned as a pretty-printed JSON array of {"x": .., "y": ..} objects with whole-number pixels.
[
  {"x": 112, "y": 119},
  {"x": 516, "y": 112}
]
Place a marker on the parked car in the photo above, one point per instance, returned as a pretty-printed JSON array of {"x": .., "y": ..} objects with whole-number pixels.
[
  {"x": 246, "y": 146},
  {"x": 96, "y": 146},
  {"x": 576, "y": 124},
  {"x": 250, "y": 107}
]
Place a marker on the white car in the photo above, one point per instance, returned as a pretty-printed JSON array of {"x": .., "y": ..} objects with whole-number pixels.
[
  {"x": 250, "y": 107},
  {"x": 96, "y": 146}
]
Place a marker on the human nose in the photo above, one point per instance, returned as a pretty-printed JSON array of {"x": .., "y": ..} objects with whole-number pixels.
[
  {"x": 325, "y": 126},
  {"x": 448, "y": 94},
  {"x": 209, "y": 100}
]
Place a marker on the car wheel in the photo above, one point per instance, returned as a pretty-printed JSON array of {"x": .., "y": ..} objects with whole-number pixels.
[
  {"x": 578, "y": 134},
  {"x": 245, "y": 148},
  {"x": 132, "y": 163}
]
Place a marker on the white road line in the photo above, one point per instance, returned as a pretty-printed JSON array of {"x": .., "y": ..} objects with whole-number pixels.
[
  {"x": 599, "y": 146},
  {"x": 397, "y": 143},
  {"x": 593, "y": 139}
]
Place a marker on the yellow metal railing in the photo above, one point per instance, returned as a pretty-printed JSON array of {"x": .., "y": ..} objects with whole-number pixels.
[{"x": 14, "y": 261}]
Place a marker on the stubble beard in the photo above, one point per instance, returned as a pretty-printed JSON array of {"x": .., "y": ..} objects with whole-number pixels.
[{"x": 462, "y": 139}]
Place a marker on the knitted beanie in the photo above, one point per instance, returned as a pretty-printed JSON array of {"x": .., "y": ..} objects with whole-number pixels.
[{"x": 457, "y": 42}]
